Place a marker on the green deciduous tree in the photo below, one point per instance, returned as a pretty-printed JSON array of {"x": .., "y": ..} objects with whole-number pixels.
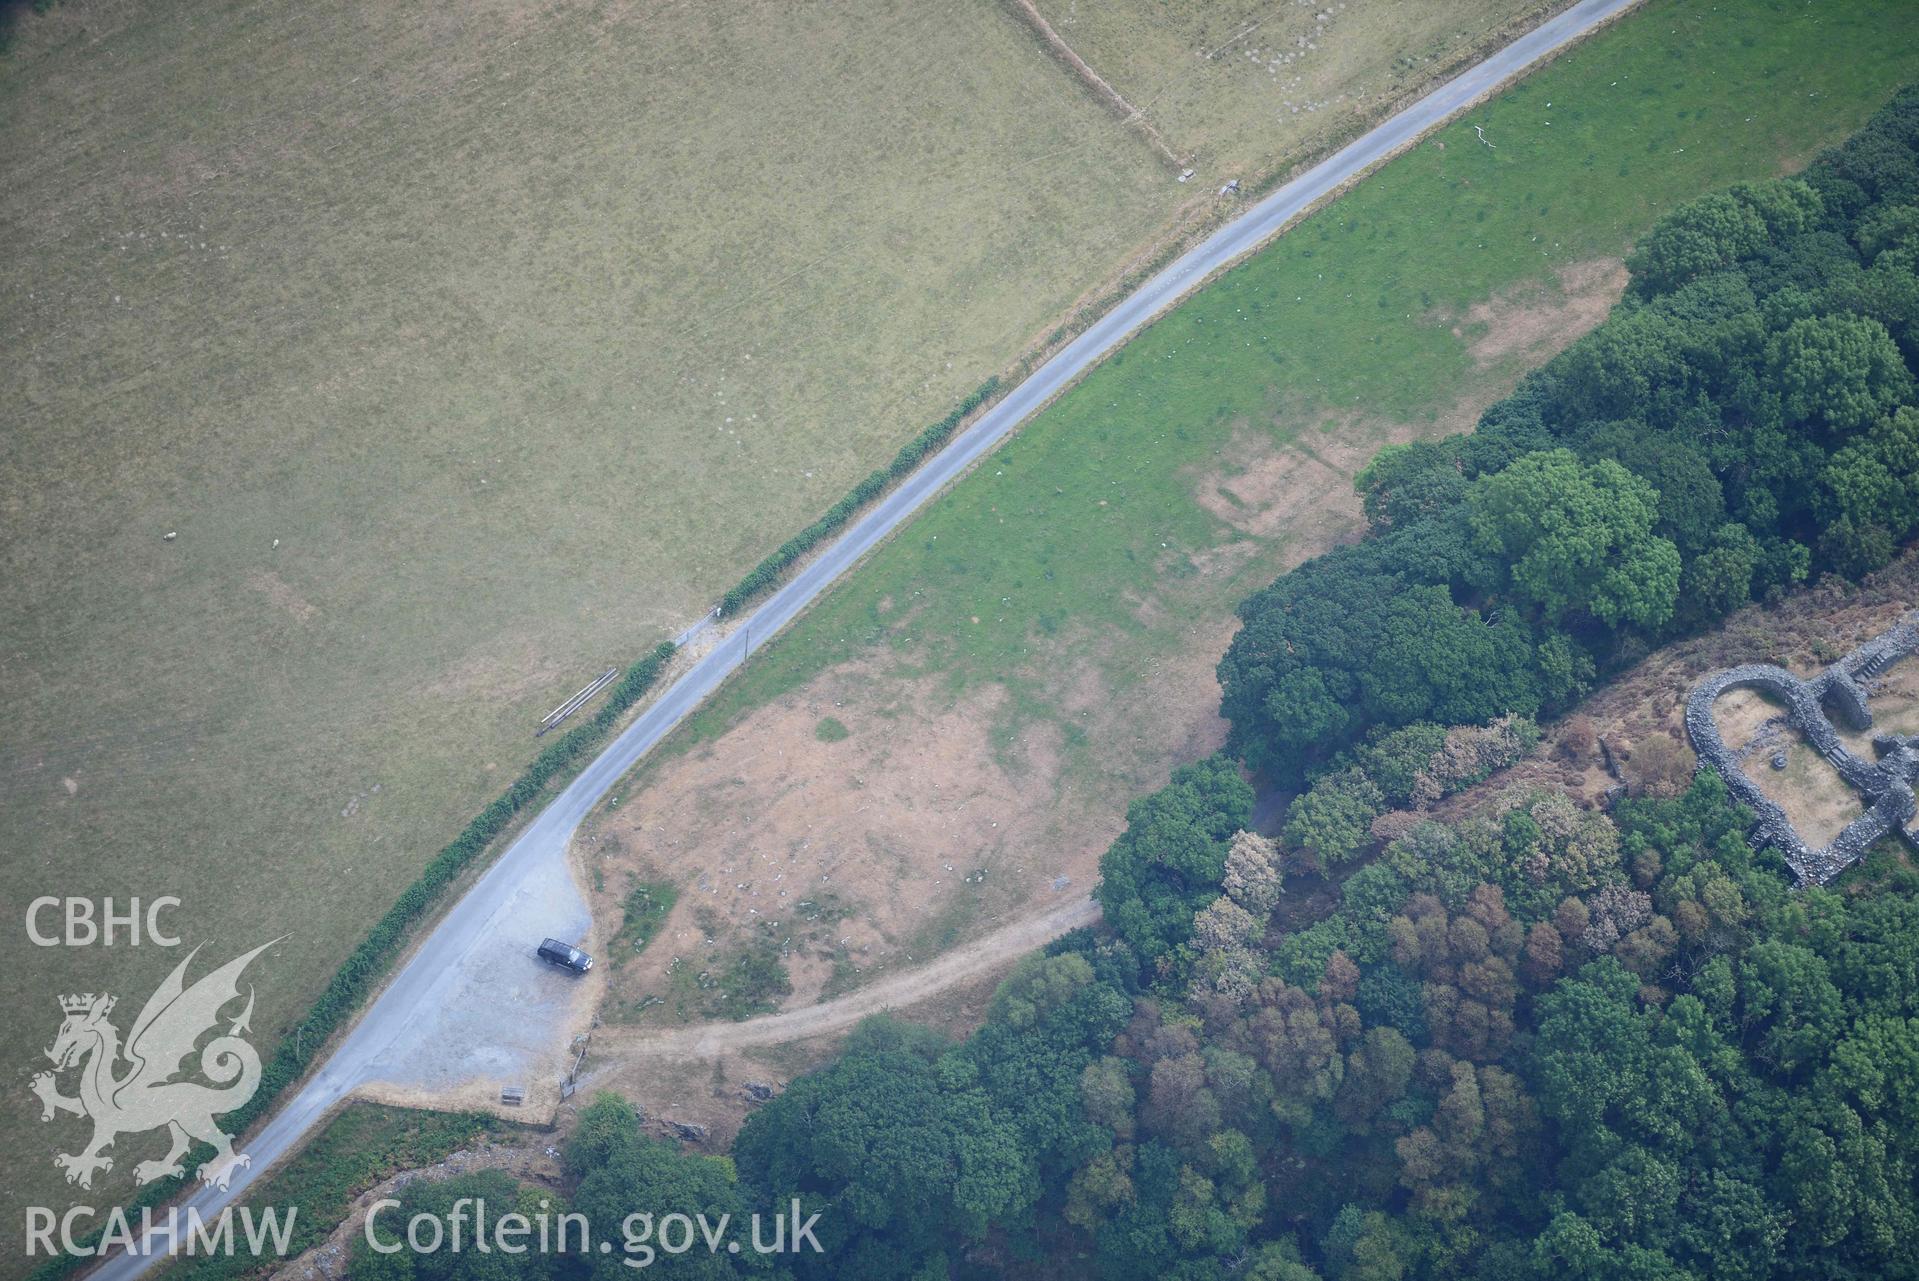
[
  {"x": 1578, "y": 538},
  {"x": 1838, "y": 371},
  {"x": 1172, "y": 857}
]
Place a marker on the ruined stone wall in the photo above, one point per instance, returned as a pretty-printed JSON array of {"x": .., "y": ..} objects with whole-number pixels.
[{"x": 1886, "y": 783}]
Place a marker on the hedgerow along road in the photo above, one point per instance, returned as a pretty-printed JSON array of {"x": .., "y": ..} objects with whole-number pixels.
[{"x": 515, "y": 896}]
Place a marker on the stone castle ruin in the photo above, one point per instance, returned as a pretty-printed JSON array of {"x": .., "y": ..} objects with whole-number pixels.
[{"x": 1840, "y": 694}]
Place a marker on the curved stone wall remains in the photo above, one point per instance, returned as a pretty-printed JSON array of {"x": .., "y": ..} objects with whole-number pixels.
[{"x": 1842, "y": 690}]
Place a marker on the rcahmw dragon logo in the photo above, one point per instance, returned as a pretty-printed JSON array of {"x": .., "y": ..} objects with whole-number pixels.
[{"x": 144, "y": 1094}]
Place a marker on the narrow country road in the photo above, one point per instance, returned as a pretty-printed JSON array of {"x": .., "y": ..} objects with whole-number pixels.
[{"x": 529, "y": 891}]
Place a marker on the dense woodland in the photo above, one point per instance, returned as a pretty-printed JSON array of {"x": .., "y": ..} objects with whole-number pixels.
[{"x": 1539, "y": 1041}]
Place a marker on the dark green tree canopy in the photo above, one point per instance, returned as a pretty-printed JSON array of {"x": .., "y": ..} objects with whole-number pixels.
[{"x": 1576, "y": 539}]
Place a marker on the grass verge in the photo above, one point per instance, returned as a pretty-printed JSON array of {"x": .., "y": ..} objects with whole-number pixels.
[{"x": 364, "y": 1144}]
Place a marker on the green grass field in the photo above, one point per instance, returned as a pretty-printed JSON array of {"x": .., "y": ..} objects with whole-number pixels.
[{"x": 1085, "y": 540}]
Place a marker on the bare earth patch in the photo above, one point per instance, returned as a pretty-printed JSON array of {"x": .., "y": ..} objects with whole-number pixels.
[
  {"x": 1742, "y": 713},
  {"x": 935, "y": 820},
  {"x": 1808, "y": 789},
  {"x": 917, "y": 812},
  {"x": 1300, "y": 493},
  {"x": 1527, "y": 325},
  {"x": 1817, "y": 801}
]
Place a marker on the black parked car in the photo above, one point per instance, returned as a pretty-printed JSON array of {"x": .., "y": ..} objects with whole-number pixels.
[{"x": 565, "y": 955}]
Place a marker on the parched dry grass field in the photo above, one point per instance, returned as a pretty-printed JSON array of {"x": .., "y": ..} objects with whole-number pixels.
[
  {"x": 464, "y": 350},
  {"x": 1241, "y": 86},
  {"x": 467, "y": 351}
]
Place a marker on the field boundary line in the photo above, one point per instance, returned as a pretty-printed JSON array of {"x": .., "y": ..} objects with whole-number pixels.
[{"x": 1029, "y": 16}]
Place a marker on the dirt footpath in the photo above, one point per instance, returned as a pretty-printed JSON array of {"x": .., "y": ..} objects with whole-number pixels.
[
  {"x": 983, "y": 956},
  {"x": 705, "y": 1080}
]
